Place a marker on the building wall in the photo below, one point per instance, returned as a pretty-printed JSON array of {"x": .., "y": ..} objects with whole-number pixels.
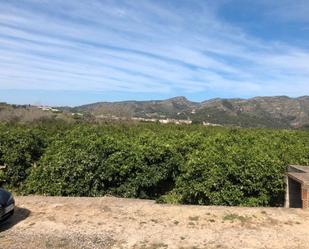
[
  {"x": 295, "y": 193},
  {"x": 305, "y": 199}
]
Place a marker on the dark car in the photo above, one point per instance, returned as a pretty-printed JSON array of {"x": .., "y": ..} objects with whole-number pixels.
[{"x": 7, "y": 204}]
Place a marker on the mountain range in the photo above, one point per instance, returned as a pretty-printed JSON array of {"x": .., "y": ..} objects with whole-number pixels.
[
  {"x": 269, "y": 112},
  {"x": 272, "y": 112}
]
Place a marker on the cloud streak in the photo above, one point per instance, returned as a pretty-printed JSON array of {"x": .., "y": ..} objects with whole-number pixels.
[{"x": 163, "y": 47}]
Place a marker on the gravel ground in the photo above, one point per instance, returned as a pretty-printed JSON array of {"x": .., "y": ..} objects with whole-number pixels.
[{"x": 107, "y": 222}]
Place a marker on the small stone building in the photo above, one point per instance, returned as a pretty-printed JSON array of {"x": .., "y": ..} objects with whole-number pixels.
[{"x": 297, "y": 189}]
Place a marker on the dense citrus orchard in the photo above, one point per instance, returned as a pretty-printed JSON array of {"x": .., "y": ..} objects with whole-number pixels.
[{"x": 179, "y": 164}]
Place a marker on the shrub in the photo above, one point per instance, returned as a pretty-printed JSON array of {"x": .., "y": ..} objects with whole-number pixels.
[
  {"x": 170, "y": 163},
  {"x": 240, "y": 168},
  {"x": 19, "y": 149}
]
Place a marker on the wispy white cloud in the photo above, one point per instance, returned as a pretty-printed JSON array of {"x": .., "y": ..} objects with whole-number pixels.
[{"x": 141, "y": 46}]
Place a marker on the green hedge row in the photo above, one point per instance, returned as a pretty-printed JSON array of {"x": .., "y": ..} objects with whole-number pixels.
[{"x": 170, "y": 163}]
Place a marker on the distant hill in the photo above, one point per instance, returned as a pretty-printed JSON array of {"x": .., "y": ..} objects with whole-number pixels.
[
  {"x": 274, "y": 112},
  {"x": 28, "y": 113},
  {"x": 271, "y": 112},
  {"x": 151, "y": 108}
]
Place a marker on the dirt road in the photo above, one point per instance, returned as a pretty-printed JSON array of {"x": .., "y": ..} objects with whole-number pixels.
[{"x": 58, "y": 222}]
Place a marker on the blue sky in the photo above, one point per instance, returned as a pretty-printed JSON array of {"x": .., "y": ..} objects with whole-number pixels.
[{"x": 74, "y": 52}]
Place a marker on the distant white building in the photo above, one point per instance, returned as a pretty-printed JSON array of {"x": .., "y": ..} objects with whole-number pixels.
[
  {"x": 210, "y": 124},
  {"x": 164, "y": 121},
  {"x": 145, "y": 119},
  {"x": 48, "y": 108},
  {"x": 175, "y": 121}
]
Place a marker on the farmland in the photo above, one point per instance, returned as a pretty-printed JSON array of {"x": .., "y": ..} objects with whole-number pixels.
[{"x": 167, "y": 163}]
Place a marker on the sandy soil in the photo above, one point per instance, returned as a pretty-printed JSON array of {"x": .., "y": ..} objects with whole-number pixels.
[{"x": 107, "y": 222}]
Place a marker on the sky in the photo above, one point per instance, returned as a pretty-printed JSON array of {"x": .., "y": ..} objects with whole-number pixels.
[{"x": 75, "y": 52}]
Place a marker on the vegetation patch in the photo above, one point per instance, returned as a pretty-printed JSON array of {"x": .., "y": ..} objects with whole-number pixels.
[
  {"x": 235, "y": 217},
  {"x": 194, "y": 218},
  {"x": 168, "y": 163}
]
